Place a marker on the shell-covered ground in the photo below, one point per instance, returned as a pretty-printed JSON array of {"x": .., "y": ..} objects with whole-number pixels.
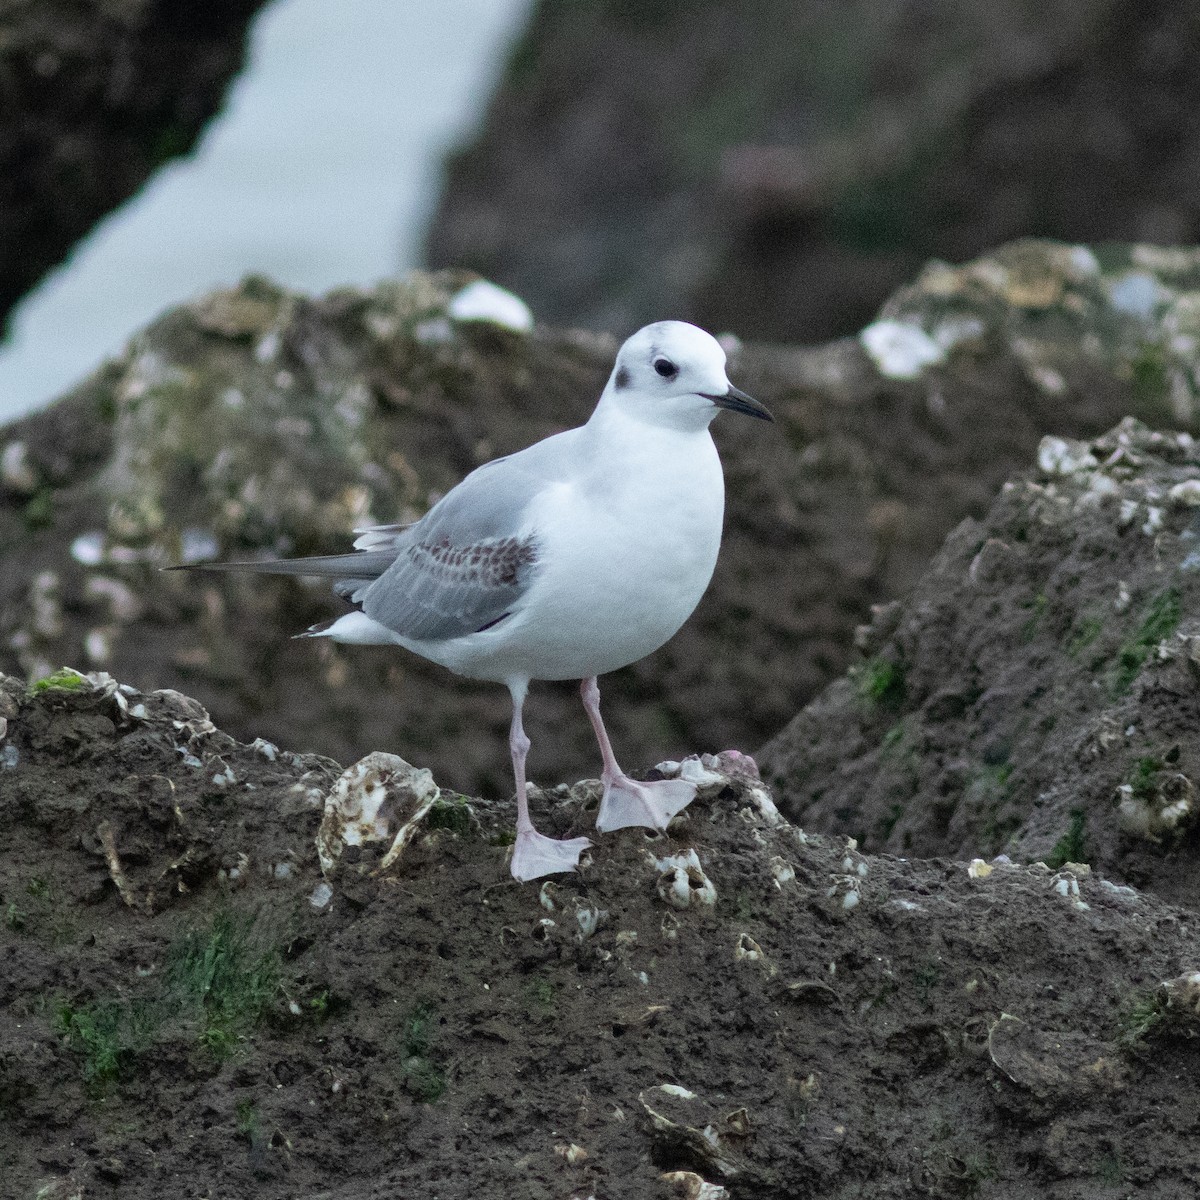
[
  {"x": 1038, "y": 692},
  {"x": 190, "y": 1005}
]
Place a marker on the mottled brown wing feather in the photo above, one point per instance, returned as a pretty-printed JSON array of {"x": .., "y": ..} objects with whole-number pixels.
[{"x": 436, "y": 590}]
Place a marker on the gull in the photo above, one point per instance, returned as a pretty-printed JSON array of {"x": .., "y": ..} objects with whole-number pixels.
[{"x": 574, "y": 557}]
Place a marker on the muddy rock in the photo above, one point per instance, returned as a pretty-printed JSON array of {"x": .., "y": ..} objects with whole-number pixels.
[
  {"x": 188, "y": 1002},
  {"x": 779, "y": 168},
  {"x": 1038, "y": 691},
  {"x": 257, "y": 421},
  {"x": 94, "y": 97}
]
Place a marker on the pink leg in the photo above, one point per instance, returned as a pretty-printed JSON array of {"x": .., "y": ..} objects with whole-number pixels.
[
  {"x": 625, "y": 801},
  {"x": 534, "y": 854}
]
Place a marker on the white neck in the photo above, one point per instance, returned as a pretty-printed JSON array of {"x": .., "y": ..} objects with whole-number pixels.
[{"x": 617, "y": 413}]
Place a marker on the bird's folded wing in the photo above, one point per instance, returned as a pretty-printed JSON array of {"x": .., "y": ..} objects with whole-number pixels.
[
  {"x": 468, "y": 561},
  {"x": 437, "y": 591}
]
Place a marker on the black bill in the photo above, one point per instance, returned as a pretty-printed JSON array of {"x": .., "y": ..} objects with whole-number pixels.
[{"x": 737, "y": 401}]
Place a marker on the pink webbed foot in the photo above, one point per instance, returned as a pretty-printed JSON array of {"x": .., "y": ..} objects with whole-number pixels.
[
  {"x": 649, "y": 805},
  {"x": 535, "y": 855}
]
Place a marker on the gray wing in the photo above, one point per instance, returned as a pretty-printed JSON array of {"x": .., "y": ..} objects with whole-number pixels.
[{"x": 465, "y": 565}]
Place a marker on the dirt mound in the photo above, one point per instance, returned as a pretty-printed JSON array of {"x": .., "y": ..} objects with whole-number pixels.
[
  {"x": 1039, "y": 691},
  {"x": 260, "y": 421},
  {"x": 188, "y": 1003}
]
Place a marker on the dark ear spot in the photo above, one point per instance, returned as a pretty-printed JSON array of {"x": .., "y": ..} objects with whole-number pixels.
[{"x": 622, "y": 378}]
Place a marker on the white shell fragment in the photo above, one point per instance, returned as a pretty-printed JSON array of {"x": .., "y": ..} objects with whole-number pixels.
[
  {"x": 588, "y": 917},
  {"x": 1058, "y": 456},
  {"x": 88, "y": 548},
  {"x": 380, "y": 798},
  {"x": 979, "y": 869},
  {"x": 436, "y": 331},
  {"x": 848, "y": 887},
  {"x": 1157, "y": 814},
  {"x": 484, "y": 301},
  {"x": 763, "y": 806},
  {"x": 692, "y": 1128},
  {"x": 782, "y": 871},
  {"x": 682, "y": 881},
  {"x": 198, "y": 545},
  {"x": 694, "y": 771},
  {"x": 16, "y": 471},
  {"x": 748, "y": 950},
  {"x": 1135, "y": 294},
  {"x": 1066, "y": 884},
  {"x": 900, "y": 349},
  {"x": 1181, "y": 995},
  {"x": 955, "y": 331},
  {"x": 1187, "y": 493},
  {"x": 687, "y": 1185},
  {"x": 268, "y": 750},
  {"x": 1082, "y": 262},
  {"x": 1120, "y": 891}
]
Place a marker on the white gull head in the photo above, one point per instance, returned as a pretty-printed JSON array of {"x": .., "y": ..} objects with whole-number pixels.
[{"x": 673, "y": 374}]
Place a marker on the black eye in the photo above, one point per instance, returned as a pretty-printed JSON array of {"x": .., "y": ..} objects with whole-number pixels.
[{"x": 666, "y": 368}]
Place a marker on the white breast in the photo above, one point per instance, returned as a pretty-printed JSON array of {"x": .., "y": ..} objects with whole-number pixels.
[{"x": 625, "y": 554}]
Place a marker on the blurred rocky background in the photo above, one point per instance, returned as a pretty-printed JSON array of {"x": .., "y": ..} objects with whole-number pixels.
[
  {"x": 94, "y": 98},
  {"x": 779, "y": 168},
  {"x": 319, "y": 169}
]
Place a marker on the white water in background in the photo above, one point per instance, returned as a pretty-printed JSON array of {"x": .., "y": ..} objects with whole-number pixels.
[{"x": 321, "y": 170}]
